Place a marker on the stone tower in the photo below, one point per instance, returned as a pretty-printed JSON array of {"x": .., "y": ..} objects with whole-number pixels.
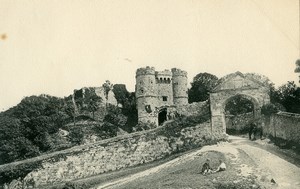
[
  {"x": 158, "y": 93},
  {"x": 179, "y": 81}
]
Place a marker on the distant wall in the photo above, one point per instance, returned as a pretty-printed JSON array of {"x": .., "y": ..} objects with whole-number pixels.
[
  {"x": 111, "y": 154},
  {"x": 195, "y": 108},
  {"x": 283, "y": 125}
]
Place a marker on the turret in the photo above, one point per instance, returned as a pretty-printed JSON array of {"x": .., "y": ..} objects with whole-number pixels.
[
  {"x": 179, "y": 82},
  {"x": 146, "y": 94}
]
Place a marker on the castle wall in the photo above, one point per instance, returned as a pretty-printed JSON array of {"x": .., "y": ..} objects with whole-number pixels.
[
  {"x": 147, "y": 110},
  {"x": 283, "y": 125},
  {"x": 109, "y": 155}
]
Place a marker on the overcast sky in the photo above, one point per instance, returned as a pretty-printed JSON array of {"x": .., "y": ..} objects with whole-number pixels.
[{"x": 53, "y": 47}]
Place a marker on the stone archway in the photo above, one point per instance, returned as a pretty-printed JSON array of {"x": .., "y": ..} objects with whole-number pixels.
[
  {"x": 228, "y": 87},
  {"x": 240, "y": 119},
  {"x": 162, "y": 116}
]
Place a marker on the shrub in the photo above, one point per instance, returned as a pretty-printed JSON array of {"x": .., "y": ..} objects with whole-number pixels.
[
  {"x": 76, "y": 135},
  {"x": 144, "y": 126},
  {"x": 173, "y": 129},
  {"x": 106, "y": 130},
  {"x": 269, "y": 109}
]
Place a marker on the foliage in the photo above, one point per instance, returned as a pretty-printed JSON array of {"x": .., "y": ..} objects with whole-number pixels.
[
  {"x": 121, "y": 93},
  {"x": 106, "y": 130},
  {"x": 16, "y": 149},
  {"x": 18, "y": 171},
  {"x": 173, "y": 129},
  {"x": 76, "y": 135},
  {"x": 129, "y": 110},
  {"x": 239, "y": 105},
  {"x": 269, "y": 109},
  {"x": 297, "y": 69},
  {"x": 86, "y": 101},
  {"x": 144, "y": 126},
  {"x": 260, "y": 78},
  {"x": 288, "y": 95},
  {"x": 202, "y": 85},
  {"x": 118, "y": 120},
  {"x": 91, "y": 101},
  {"x": 128, "y": 102},
  {"x": 26, "y": 127},
  {"x": 69, "y": 108}
]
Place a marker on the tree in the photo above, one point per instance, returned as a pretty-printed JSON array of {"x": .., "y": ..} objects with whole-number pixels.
[
  {"x": 91, "y": 101},
  {"x": 128, "y": 102},
  {"x": 13, "y": 144},
  {"x": 297, "y": 69},
  {"x": 121, "y": 93},
  {"x": 288, "y": 95},
  {"x": 115, "y": 116},
  {"x": 107, "y": 87},
  {"x": 269, "y": 109},
  {"x": 69, "y": 108},
  {"x": 76, "y": 135},
  {"x": 239, "y": 105},
  {"x": 202, "y": 85}
]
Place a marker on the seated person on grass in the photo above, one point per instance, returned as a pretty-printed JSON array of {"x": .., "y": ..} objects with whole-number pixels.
[
  {"x": 206, "y": 169},
  {"x": 222, "y": 167}
]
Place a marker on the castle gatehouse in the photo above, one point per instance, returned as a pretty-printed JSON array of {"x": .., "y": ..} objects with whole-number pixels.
[{"x": 159, "y": 93}]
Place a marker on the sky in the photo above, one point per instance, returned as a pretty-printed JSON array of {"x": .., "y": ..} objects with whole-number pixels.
[{"x": 53, "y": 47}]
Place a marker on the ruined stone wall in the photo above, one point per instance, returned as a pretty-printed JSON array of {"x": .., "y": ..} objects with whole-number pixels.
[
  {"x": 195, "y": 108},
  {"x": 283, "y": 125},
  {"x": 112, "y": 154},
  {"x": 105, "y": 99}
]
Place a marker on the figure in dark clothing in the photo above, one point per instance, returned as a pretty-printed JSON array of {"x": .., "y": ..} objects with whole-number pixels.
[
  {"x": 252, "y": 130},
  {"x": 206, "y": 168}
]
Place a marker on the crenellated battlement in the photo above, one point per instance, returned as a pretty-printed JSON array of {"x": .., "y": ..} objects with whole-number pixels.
[
  {"x": 145, "y": 71},
  {"x": 165, "y": 73},
  {"x": 178, "y": 72}
]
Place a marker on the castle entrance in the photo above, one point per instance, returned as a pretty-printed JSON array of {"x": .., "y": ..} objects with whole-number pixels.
[
  {"x": 240, "y": 111},
  {"x": 162, "y": 116},
  {"x": 249, "y": 89}
]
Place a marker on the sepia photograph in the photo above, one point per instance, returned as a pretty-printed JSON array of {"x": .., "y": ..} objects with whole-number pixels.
[{"x": 150, "y": 94}]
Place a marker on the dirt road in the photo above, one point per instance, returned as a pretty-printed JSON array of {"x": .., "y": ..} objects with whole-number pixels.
[{"x": 248, "y": 163}]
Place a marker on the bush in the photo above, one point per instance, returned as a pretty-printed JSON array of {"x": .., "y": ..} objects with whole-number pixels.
[
  {"x": 173, "y": 129},
  {"x": 106, "y": 130},
  {"x": 76, "y": 135},
  {"x": 144, "y": 126},
  {"x": 269, "y": 109}
]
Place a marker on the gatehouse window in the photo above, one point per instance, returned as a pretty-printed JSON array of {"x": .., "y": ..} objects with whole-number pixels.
[{"x": 165, "y": 98}]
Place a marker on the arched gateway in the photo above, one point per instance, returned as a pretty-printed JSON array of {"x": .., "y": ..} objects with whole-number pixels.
[{"x": 247, "y": 86}]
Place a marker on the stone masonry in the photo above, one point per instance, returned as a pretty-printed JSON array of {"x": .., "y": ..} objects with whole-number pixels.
[
  {"x": 232, "y": 85},
  {"x": 158, "y": 93},
  {"x": 111, "y": 154}
]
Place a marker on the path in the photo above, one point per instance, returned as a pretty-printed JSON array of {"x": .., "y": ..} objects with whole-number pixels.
[
  {"x": 285, "y": 174},
  {"x": 264, "y": 165}
]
